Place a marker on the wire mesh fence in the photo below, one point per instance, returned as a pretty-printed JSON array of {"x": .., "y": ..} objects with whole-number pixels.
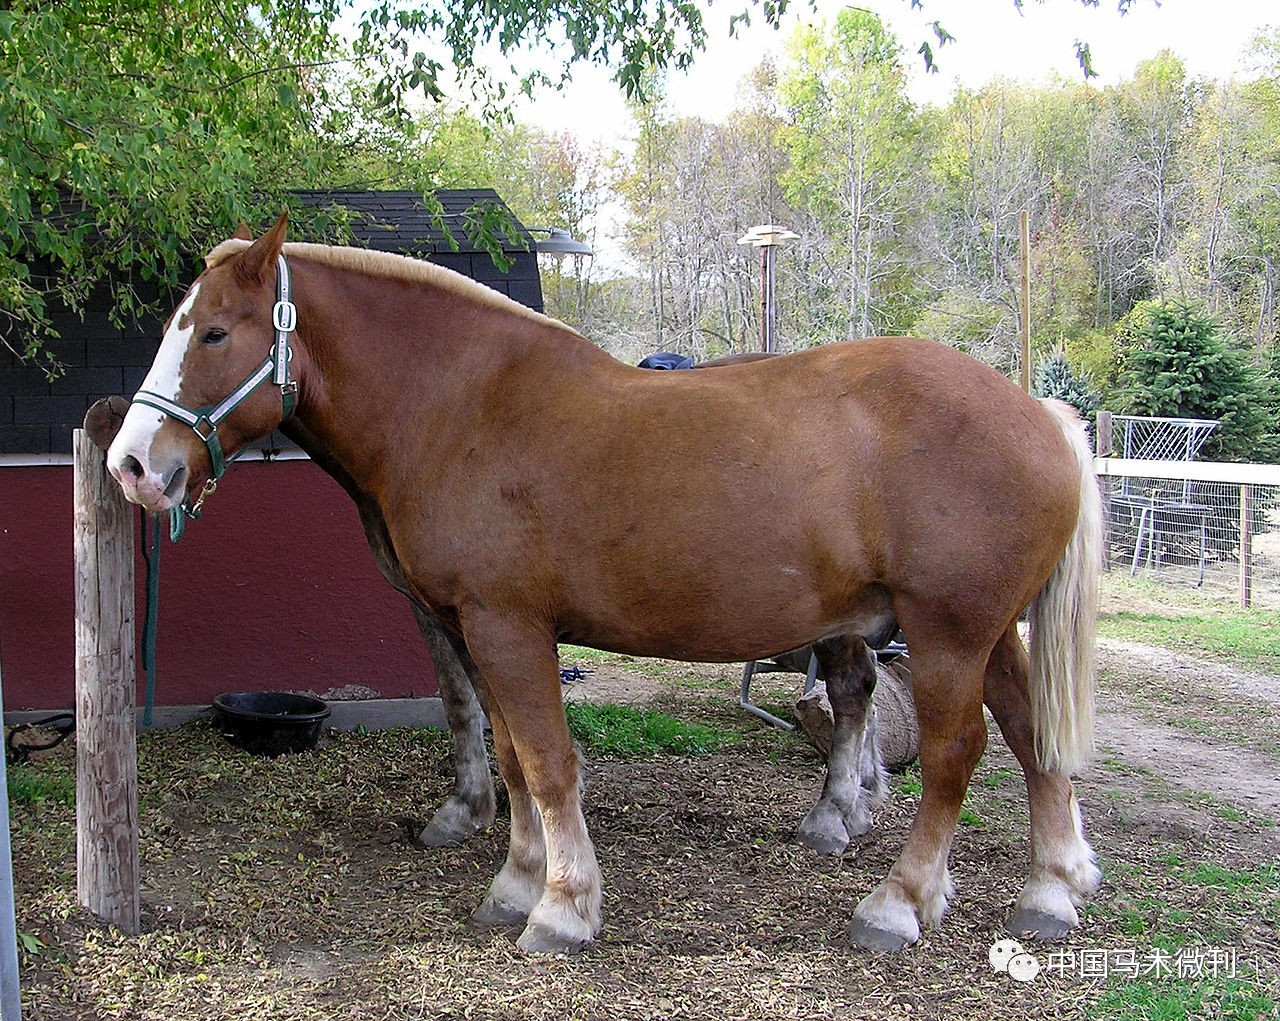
[{"x": 1203, "y": 524}]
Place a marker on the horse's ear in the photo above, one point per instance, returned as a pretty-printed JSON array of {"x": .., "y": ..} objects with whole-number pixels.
[
  {"x": 243, "y": 232},
  {"x": 260, "y": 257}
]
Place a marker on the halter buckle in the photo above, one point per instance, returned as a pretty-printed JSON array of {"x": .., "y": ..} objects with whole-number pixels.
[{"x": 284, "y": 316}]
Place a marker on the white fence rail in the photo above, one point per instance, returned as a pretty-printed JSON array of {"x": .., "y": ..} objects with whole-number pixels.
[{"x": 1207, "y": 524}]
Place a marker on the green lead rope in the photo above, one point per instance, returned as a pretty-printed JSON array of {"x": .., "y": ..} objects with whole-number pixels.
[
  {"x": 151, "y": 557},
  {"x": 177, "y": 524}
]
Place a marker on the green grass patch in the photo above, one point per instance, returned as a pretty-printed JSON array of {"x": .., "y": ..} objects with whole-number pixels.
[
  {"x": 1217, "y": 877},
  {"x": 589, "y": 659},
  {"x": 1250, "y": 636},
  {"x": 28, "y": 786},
  {"x": 909, "y": 782},
  {"x": 998, "y": 777},
  {"x": 628, "y": 732},
  {"x": 1180, "y": 1000}
]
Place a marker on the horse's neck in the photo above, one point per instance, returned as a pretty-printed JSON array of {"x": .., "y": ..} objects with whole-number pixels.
[{"x": 391, "y": 369}]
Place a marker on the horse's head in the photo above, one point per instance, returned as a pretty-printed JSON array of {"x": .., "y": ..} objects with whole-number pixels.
[{"x": 219, "y": 380}]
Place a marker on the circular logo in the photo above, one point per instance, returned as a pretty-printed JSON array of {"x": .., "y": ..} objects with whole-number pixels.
[
  {"x": 1002, "y": 952},
  {"x": 1023, "y": 967}
]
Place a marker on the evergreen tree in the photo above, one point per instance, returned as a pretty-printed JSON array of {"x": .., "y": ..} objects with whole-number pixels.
[
  {"x": 1181, "y": 367},
  {"x": 1054, "y": 378}
]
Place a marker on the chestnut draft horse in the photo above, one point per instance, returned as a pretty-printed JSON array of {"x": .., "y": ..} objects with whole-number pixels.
[{"x": 534, "y": 490}]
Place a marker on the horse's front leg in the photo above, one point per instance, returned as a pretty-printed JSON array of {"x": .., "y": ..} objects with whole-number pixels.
[
  {"x": 517, "y": 888},
  {"x": 855, "y": 781},
  {"x": 470, "y": 808},
  {"x": 518, "y": 666}
]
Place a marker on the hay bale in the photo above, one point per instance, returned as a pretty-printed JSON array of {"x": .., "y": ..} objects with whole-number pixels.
[
  {"x": 899, "y": 732},
  {"x": 896, "y": 714},
  {"x": 813, "y": 711}
]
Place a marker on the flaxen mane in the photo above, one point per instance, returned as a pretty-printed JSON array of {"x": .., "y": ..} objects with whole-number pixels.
[{"x": 389, "y": 266}]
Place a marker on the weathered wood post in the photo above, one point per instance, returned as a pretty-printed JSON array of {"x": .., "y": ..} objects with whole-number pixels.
[
  {"x": 1246, "y": 546},
  {"x": 1102, "y": 442},
  {"x": 106, "y": 698}
]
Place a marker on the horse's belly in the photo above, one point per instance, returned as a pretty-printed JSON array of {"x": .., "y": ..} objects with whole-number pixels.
[{"x": 743, "y": 624}]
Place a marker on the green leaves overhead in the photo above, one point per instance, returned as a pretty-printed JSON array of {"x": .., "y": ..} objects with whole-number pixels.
[
  {"x": 633, "y": 38},
  {"x": 132, "y": 135},
  {"x": 129, "y": 135}
]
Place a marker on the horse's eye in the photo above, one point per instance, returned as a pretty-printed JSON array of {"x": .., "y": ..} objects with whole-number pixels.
[{"x": 213, "y": 335}]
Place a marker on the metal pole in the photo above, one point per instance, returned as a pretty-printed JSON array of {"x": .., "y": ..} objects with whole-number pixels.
[
  {"x": 10, "y": 1000},
  {"x": 764, "y": 298},
  {"x": 1246, "y": 546}
]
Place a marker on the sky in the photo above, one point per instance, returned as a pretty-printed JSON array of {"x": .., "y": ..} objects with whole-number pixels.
[{"x": 992, "y": 40}]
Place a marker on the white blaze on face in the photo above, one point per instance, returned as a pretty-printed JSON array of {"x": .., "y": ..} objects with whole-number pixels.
[{"x": 165, "y": 378}]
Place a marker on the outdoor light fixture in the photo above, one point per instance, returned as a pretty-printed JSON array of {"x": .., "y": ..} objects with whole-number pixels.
[
  {"x": 767, "y": 237},
  {"x": 558, "y": 242}
]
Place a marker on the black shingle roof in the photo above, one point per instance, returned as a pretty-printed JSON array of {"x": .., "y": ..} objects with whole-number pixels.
[{"x": 399, "y": 221}]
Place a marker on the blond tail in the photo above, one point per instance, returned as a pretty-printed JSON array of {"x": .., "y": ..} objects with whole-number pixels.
[{"x": 1063, "y": 619}]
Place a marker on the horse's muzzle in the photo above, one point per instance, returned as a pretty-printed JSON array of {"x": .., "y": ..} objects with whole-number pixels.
[{"x": 153, "y": 490}]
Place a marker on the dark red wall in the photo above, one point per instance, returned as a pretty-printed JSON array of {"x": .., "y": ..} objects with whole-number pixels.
[{"x": 273, "y": 588}]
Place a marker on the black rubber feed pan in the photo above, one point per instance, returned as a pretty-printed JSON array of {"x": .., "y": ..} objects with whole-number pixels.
[{"x": 271, "y": 722}]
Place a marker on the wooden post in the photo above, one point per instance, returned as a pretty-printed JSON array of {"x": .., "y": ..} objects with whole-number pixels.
[
  {"x": 1102, "y": 444},
  {"x": 765, "y": 337},
  {"x": 106, "y": 720},
  {"x": 1246, "y": 546},
  {"x": 1024, "y": 239}
]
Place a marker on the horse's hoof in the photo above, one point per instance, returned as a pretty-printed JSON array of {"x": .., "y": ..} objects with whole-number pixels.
[
  {"x": 824, "y": 829},
  {"x": 1030, "y": 924},
  {"x": 872, "y": 937},
  {"x": 495, "y": 913},
  {"x": 434, "y": 835},
  {"x": 860, "y": 825},
  {"x": 823, "y": 841},
  {"x": 539, "y": 939},
  {"x": 454, "y": 823}
]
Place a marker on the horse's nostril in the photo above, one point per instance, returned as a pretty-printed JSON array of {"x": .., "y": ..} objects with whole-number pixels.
[{"x": 131, "y": 466}]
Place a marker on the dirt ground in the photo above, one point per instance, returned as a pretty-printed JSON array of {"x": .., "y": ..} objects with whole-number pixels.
[{"x": 291, "y": 888}]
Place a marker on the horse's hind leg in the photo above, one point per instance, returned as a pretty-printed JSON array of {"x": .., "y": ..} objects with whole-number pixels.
[
  {"x": 953, "y": 733},
  {"x": 844, "y": 809},
  {"x": 1063, "y": 872},
  {"x": 471, "y": 806}
]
